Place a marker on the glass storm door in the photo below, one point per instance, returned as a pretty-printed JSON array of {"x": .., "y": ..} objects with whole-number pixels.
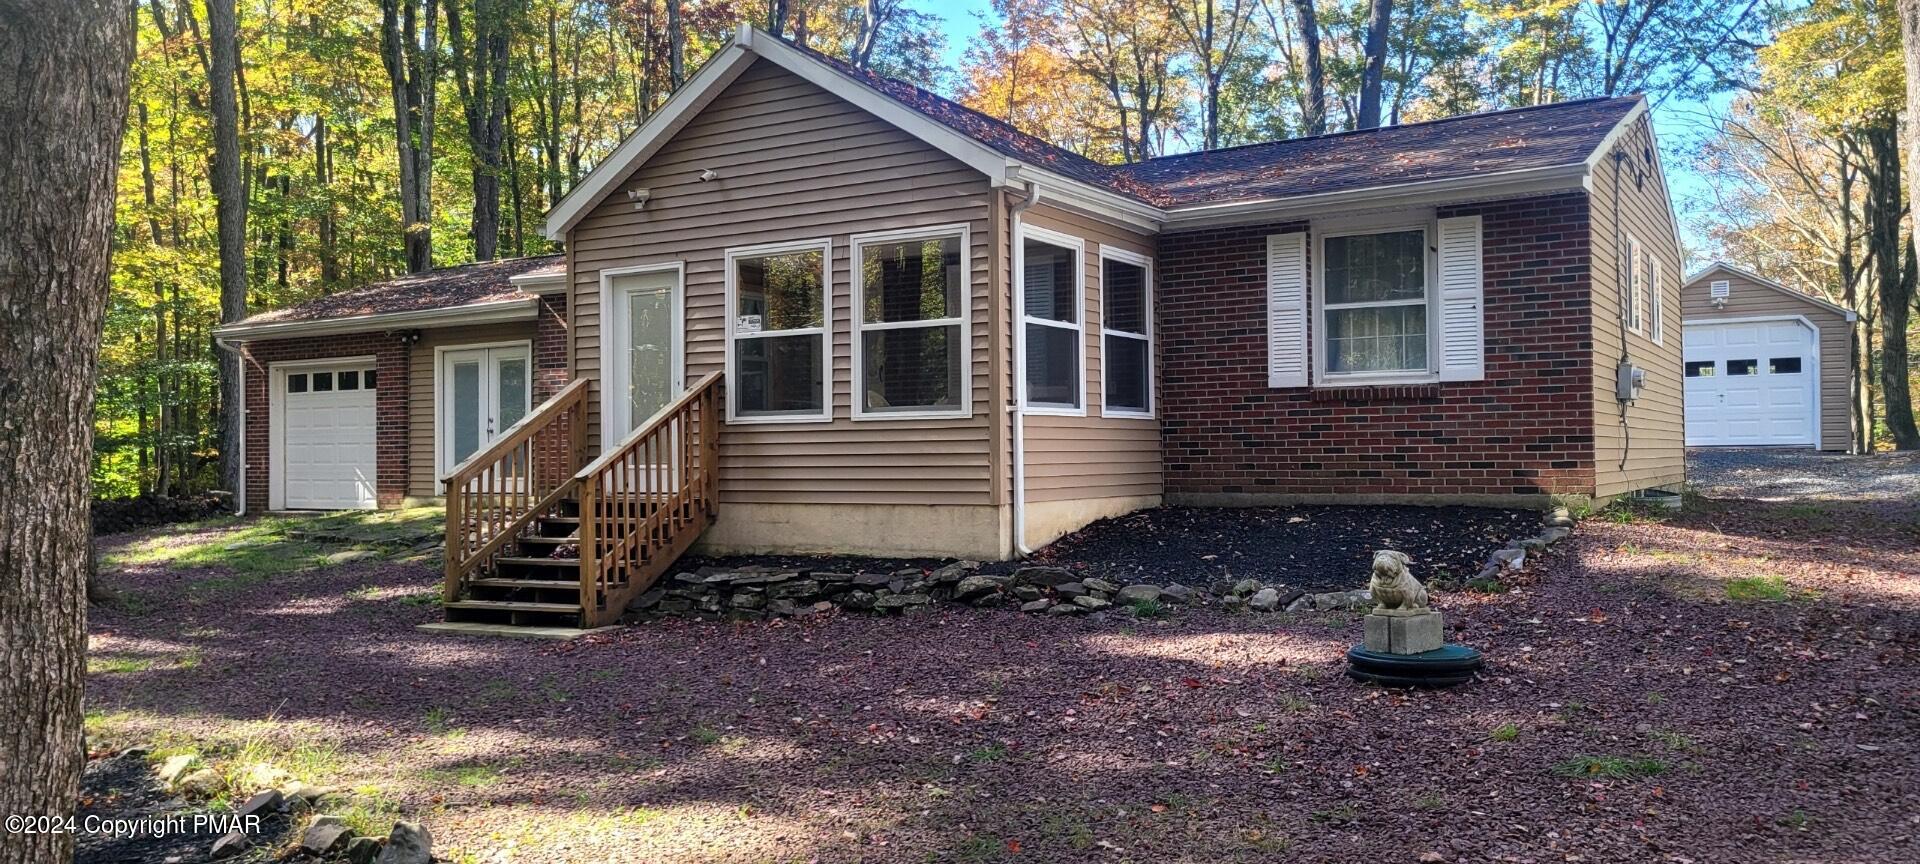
[
  {"x": 487, "y": 391},
  {"x": 643, "y": 358}
]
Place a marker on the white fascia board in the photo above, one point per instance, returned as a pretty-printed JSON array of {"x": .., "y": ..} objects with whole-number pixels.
[
  {"x": 660, "y": 127},
  {"x": 1090, "y": 199},
  {"x": 543, "y": 283},
  {"x": 1480, "y": 187},
  {"x": 478, "y": 313},
  {"x": 1614, "y": 135}
]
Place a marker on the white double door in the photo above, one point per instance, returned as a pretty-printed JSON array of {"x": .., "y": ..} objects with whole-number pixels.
[{"x": 484, "y": 391}]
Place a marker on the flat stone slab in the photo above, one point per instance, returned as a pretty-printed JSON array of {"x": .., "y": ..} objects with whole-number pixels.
[{"x": 476, "y": 628}]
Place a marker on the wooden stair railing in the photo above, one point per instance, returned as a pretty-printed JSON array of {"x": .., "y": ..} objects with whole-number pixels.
[
  {"x": 646, "y": 499},
  {"x": 494, "y": 495}
]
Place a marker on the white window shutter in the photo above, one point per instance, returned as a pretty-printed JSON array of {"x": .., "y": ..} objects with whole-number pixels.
[
  {"x": 1287, "y": 310},
  {"x": 1462, "y": 301}
]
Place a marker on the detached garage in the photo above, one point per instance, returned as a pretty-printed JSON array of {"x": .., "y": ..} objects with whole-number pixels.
[{"x": 1766, "y": 366}]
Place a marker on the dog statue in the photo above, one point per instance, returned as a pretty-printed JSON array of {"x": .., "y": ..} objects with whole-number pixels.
[{"x": 1395, "y": 591}]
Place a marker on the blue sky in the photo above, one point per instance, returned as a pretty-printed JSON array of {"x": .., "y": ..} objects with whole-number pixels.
[{"x": 1676, "y": 122}]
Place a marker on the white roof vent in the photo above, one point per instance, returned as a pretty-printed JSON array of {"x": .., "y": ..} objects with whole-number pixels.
[{"x": 1720, "y": 288}]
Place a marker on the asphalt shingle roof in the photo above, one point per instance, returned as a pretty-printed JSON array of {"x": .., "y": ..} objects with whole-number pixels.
[
  {"x": 441, "y": 288},
  {"x": 1470, "y": 145}
]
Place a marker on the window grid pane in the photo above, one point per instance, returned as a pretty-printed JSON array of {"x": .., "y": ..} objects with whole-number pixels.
[
  {"x": 782, "y": 291},
  {"x": 1377, "y": 339},
  {"x": 1048, "y": 282},
  {"x": 1376, "y": 268},
  {"x": 297, "y": 383},
  {"x": 778, "y": 375},
  {"x": 1128, "y": 371},
  {"x": 1124, "y": 295},
  {"x": 322, "y": 382},
  {"x": 911, "y": 369},
  {"x": 1053, "y": 366},
  {"x": 911, "y": 280}
]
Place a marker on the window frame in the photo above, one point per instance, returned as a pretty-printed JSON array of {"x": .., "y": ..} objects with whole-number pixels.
[
  {"x": 856, "y": 276},
  {"x": 824, "y": 245},
  {"x": 1317, "y": 327},
  {"x": 1634, "y": 315},
  {"x": 1079, "y": 327},
  {"x": 1145, "y": 263}
]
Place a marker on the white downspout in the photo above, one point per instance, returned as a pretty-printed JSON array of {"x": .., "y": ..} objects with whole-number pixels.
[
  {"x": 239, "y": 361},
  {"x": 1018, "y": 411}
]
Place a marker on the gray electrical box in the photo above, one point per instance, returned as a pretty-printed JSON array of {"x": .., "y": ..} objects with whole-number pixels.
[{"x": 1628, "y": 381}]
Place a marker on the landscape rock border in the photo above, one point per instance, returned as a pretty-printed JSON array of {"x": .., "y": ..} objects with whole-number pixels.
[{"x": 1556, "y": 525}]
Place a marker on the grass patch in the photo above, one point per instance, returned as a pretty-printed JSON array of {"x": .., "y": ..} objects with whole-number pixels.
[
  {"x": 1147, "y": 609},
  {"x": 1759, "y": 589},
  {"x": 252, "y": 550},
  {"x": 440, "y": 722},
  {"x": 1673, "y": 740},
  {"x": 1489, "y": 585},
  {"x": 1627, "y": 511},
  {"x": 1344, "y": 814},
  {"x": 368, "y": 813},
  {"x": 1504, "y": 733},
  {"x": 1611, "y": 767},
  {"x": 704, "y": 734},
  {"x": 988, "y": 754},
  {"x": 109, "y": 664},
  {"x": 472, "y": 775}
]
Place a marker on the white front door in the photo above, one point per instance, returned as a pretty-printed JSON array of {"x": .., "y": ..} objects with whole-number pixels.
[
  {"x": 325, "y": 455},
  {"x": 644, "y": 369},
  {"x": 482, "y": 392},
  {"x": 1751, "y": 383}
]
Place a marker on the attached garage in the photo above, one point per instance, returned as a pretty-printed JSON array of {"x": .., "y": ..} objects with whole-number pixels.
[
  {"x": 323, "y": 429},
  {"x": 1765, "y": 366}
]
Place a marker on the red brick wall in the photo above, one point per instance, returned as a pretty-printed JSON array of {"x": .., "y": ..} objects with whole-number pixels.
[
  {"x": 550, "y": 348},
  {"x": 390, "y": 407},
  {"x": 1526, "y": 429}
]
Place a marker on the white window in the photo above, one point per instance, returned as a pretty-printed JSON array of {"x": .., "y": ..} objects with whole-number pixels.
[
  {"x": 1375, "y": 304},
  {"x": 1633, "y": 310},
  {"x": 1126, "y": 333},
  {"x": 911, "y": 350},
  {"x": 1053, "y": 325},
  {"x": 777, "y": 324}
]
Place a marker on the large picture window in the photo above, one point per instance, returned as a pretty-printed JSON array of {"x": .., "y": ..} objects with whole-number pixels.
[
  {"x": 1050, "y": 279},
  {"x": 777, "y": 331},
  {"x": 1126, "y": 333},
  {"x": 1375, "y": 302},
  {"x": 911, "y": 325}
]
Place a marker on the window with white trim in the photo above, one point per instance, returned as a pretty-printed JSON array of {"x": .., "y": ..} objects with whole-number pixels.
[
  {"x": 911, "y": 346},
  {"x": 1375, "y": 301},
  {"x": 1633, "y": 310},
  {"x": 1126, "y": 334},
  {"x": 777, "y": 332},
  {"x": 1657, "y": 291},
  {"x": 1050, "y": 293}
]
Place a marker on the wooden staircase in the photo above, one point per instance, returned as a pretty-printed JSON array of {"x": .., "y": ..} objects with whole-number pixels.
[{"x": 535, "y": 539}]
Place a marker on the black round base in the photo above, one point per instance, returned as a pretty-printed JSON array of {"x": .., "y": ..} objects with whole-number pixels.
[{"x": 1445, "y": 666}]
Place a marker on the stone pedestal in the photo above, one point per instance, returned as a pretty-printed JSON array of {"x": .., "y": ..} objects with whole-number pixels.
[{"x": 1404, "y": 633}]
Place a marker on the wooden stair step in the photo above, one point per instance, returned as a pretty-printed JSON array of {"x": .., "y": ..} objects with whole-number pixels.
[
  {"x": 515, "y": 606},
  {"x": 569, "y": 563},
  {"x": 561, "y": 520},
  {"x": 504, "y": 582},
  {"x": 540, "y": 538}
]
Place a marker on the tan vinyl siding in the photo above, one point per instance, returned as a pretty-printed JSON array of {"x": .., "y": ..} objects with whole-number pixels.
[
  {"x": 1654, "y": 440},
  {"x": 795, "y": 163},
  {"x": 422, "y": 425},
  {"x": 1071, "y": 458},
  {"x": 1750, "y": 299}
]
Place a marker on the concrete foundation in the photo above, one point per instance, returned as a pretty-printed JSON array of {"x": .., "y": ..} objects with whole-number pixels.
[{"x": 1404, "y": 634}]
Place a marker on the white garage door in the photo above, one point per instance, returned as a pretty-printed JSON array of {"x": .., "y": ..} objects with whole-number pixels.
[
  {"x": 326, "y": 437},
  {"x": 1750, "y": 384}
]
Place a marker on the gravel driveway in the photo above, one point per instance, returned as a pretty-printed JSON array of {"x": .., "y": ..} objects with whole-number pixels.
[
  {"x": 1733, "y": 685},
  {"x": 1797, "y": 475}
]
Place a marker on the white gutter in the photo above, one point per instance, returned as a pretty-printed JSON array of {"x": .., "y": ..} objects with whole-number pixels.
[
  {"x": 519, "y": 309},
  {"x": 540, "y": 283},
  {"x": 240, "y": 361},
  {"x": 1018, "y": 410}
]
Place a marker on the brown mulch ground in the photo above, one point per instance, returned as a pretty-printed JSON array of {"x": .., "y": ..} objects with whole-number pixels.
[{"x": 1752, "y": 731}]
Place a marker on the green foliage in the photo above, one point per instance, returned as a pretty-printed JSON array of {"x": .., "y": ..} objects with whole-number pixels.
[
  {"x": 1759, "y": 589},
  {"x": 1505, "y": 732}
]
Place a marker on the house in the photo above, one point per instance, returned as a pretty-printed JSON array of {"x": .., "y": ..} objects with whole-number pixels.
[
  {"x": 805, "y": 308},
  {"x": 1766, "y": 366}
]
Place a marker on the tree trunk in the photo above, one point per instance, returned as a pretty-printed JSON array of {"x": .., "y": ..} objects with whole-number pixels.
[
  {"x": 63, "y": 108},
  {"x": 1884, "y": 212},
  {"x": 412, "y": 73},
  {"x": 480, "y": 73},
  {"x": 1904, "y": 435},
  {"x": 1379, "y": 20},
  {"x": 230, "y": 214},
  {"x": 1313, "y": 115},
  {"x": 676, "y": 45}
]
